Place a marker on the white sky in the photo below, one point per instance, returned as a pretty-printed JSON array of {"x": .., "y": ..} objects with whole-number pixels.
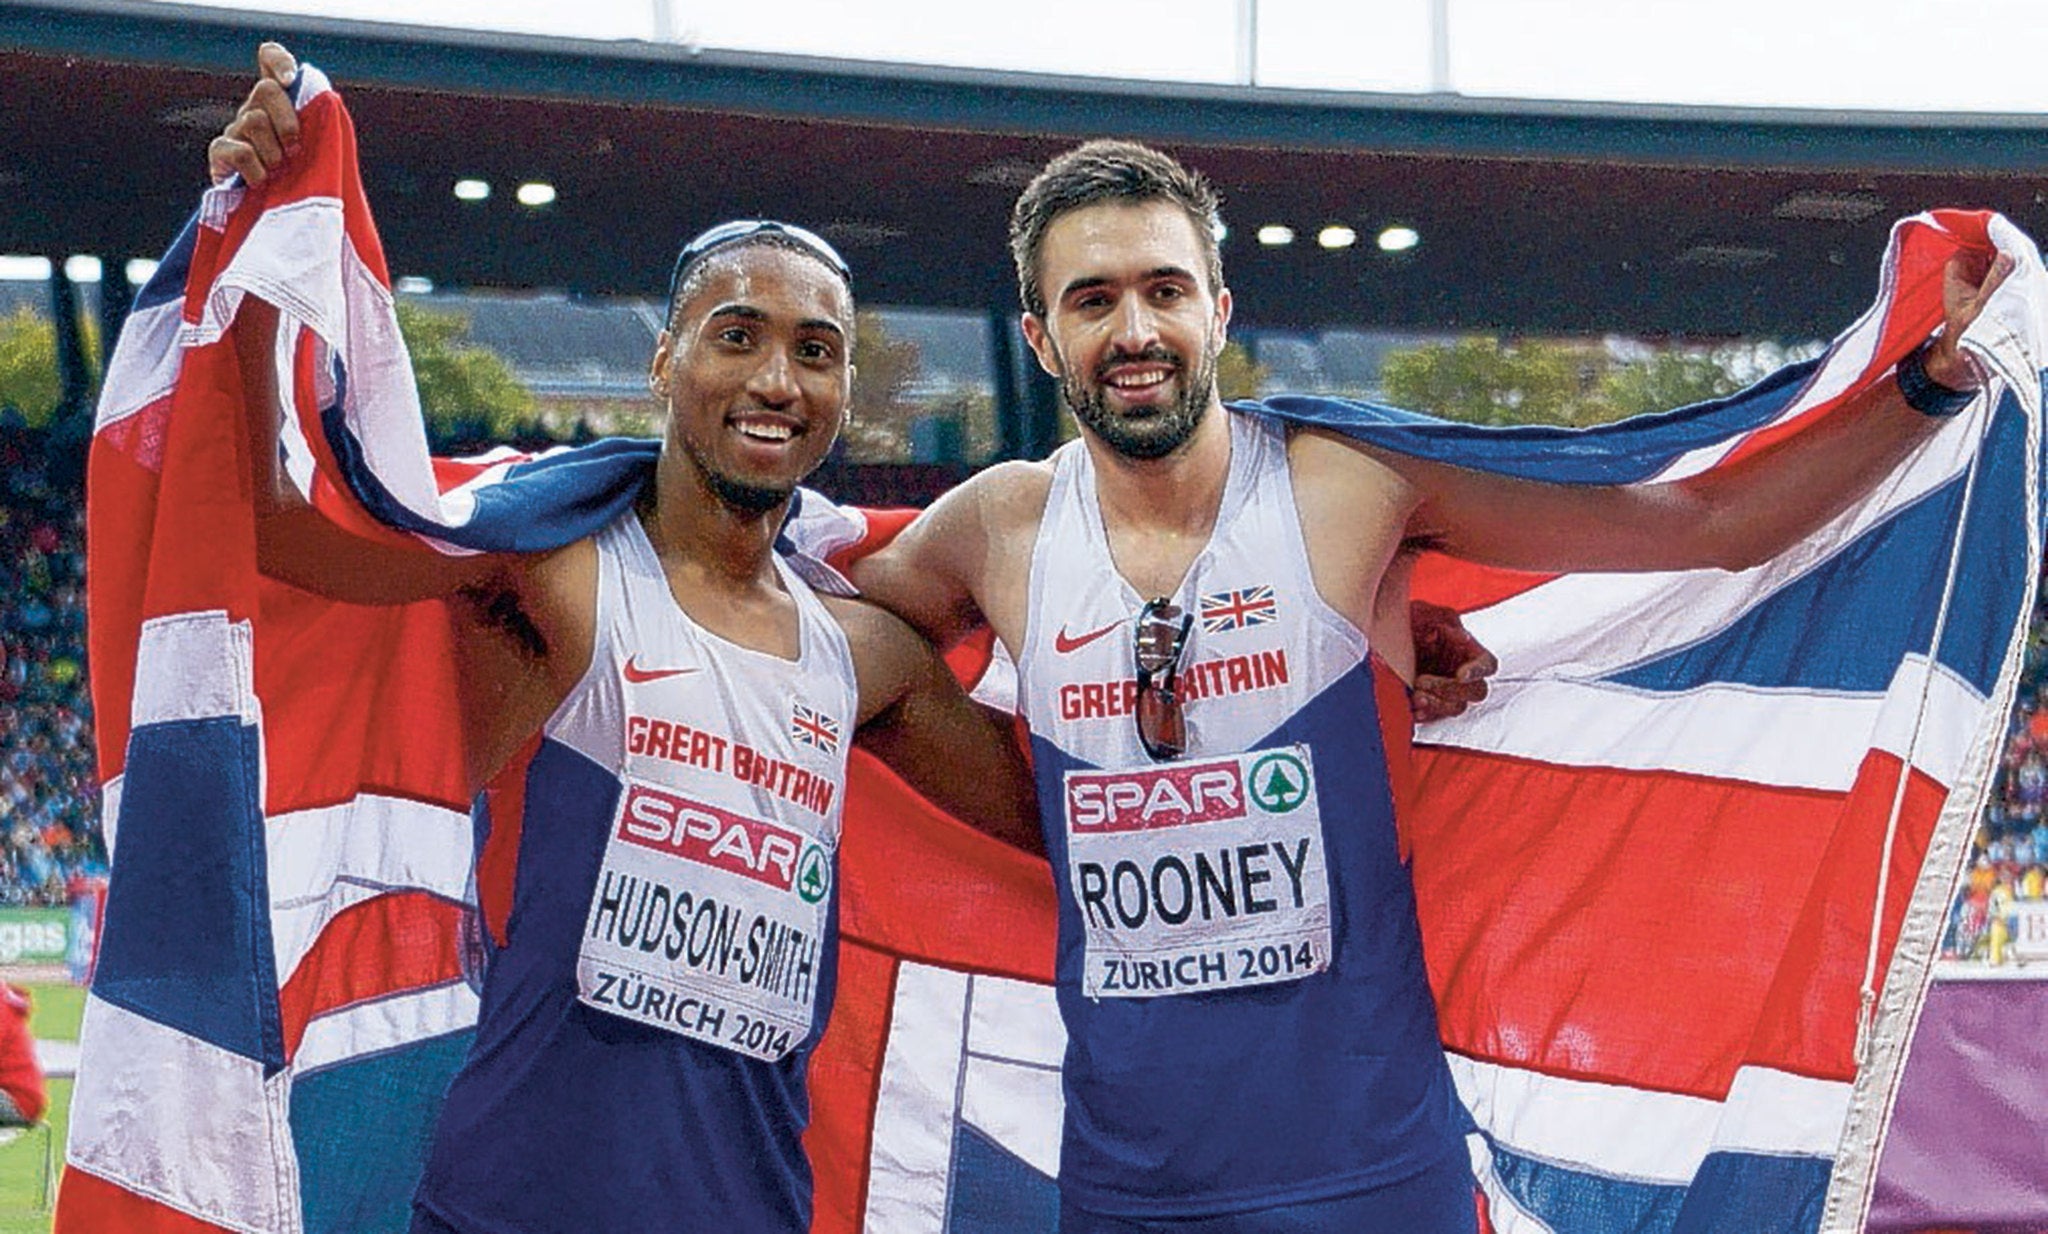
[{"x": 1941, "y": 55}]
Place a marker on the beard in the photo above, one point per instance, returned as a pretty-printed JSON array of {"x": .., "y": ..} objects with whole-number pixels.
[
  {"x": 1150, "y": 431},
  {"x": 737, "y": 495}
]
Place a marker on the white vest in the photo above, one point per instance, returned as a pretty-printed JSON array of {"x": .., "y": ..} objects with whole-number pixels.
[
  {"x": 1206, "y": 872},
  {"x": 712, "y": 912},
  {"x": 1250, "y": 591}
]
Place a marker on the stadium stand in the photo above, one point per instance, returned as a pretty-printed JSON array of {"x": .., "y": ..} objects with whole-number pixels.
[
  {"x": 2008, "y": 868},
  {"x": 49, "y": 795}
]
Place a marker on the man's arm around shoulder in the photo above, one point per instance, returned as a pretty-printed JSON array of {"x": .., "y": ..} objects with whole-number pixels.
[
  {"x": 1732, "y": 517},
  {"x": 965, "y": 560},
  {"x": 915, "y": 717}
]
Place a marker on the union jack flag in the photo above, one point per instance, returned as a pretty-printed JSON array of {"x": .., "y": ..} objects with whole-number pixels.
[
  {"x": 1224, "y": 611},
  {"x": 814, "y": 728},
  {"x": 284, "y": 940}
]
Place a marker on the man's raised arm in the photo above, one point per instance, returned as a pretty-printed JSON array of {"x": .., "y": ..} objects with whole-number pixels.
[
  {"x": 1732, "y": 517},
  {"x": 297, "y": 544}
]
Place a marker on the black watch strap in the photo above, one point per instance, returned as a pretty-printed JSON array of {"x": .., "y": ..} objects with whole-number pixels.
[{"x": 1924, "y": 394}]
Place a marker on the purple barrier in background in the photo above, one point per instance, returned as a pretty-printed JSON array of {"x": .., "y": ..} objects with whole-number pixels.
[{"x": 1969, "y": 1140}]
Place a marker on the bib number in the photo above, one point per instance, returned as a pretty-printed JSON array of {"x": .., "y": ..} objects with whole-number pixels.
[
  {"x": 707, "y": 924},
  {"x": 1202, "y": 875}
]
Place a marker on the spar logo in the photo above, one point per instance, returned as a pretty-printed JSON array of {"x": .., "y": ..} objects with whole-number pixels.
[
  {"x": 1179, "y": 795},
  {"x": 814, "y": 875},
  {"x": 707, "y": 835},
  {"x": 1279, "y": 782}
]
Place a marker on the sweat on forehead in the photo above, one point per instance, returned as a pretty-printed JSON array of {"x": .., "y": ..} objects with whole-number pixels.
[{"x": 690, "y": 279}]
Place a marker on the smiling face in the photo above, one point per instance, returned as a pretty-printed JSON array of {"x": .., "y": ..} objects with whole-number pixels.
[
  {"x": 756, "y": 370},
  {"x": 1131, "y": 327}
]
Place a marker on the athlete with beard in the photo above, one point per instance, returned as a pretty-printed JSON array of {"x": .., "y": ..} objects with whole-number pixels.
[
  {"x": 1193, "y": 599},
  {"x": 664, "y": 712}
]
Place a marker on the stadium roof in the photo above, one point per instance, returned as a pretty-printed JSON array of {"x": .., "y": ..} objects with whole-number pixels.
[{"x": 1532, "y": 215}]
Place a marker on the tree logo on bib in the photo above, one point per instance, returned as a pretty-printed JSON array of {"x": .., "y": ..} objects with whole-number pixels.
[
  {"x": 1279, "y": 783},
  {"x": 812, "y": 880}
]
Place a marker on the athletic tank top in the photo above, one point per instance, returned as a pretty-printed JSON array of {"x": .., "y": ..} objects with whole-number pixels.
[
  {"x": 1240, "y": 969},
  {"x": 669, "y": 955}
]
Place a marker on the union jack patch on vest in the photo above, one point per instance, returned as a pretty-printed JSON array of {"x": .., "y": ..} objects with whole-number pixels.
[
  {"x": 1234, "y": 610},
  {"x": 814, "y": 728}
]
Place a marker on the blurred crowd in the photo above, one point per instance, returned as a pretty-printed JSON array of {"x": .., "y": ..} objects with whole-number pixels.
[
  {"x": 2007, "y": 878},
  {"x": 50, "y": 839}
]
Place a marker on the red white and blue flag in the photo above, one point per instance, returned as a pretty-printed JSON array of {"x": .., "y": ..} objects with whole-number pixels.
[
  {"x": 1681, "y": 883},
  {"x": 813, "y": 728},
  {"x": 281, "y": 991},
  {"x": 1224, "y": 611}
]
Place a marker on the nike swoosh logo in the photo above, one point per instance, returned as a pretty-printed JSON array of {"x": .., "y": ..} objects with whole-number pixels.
[
  {"x": 641, "y": 676},
  {"x": 1065, "y": 642}
]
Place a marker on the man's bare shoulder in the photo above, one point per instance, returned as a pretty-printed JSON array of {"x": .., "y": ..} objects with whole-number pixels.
[
  {"x": 1355, "y": 511},
  {"x": 1015, "y": 478},
  {"x": 865, "y": 622},
  {"x": 951, "y": 569},
  {"x": 984, "y": 516},
  {"x": 1329, "y": 466},
  {"x": 886, "y": 652},
  {"x": 1008, "y": 496},
  {"x": 569, "y": 571},
  {"x": 1328, "y": 447}
]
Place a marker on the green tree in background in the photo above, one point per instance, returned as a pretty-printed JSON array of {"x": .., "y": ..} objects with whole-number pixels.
[
  {"x": 466, "y": 391},
  {"x": 878, "y": 422},
  {"x": 1237, "y": 374},
  {"x": 1665, "y": 380},
  {"x": 1537, "y": 381},
  {"x": 882, "y": 420},
  {"x": 1488, "y": 381},
  {"x": 28, "y": 363}
]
